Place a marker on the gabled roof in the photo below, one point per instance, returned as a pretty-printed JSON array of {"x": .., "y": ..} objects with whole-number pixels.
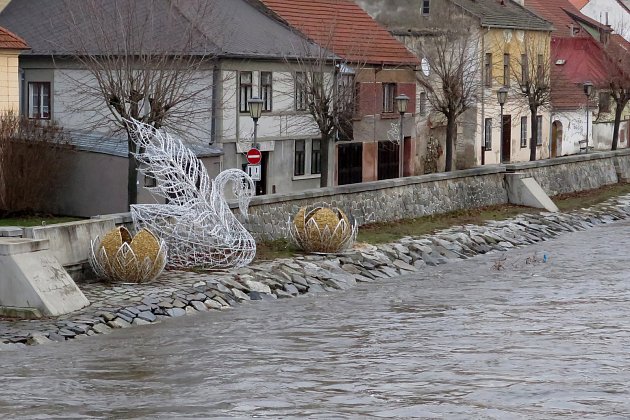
[
  {"x": 584, "y": 60},
  {"x": 507, "y": 14},
  {"x": 344, "y": 28},
  {"x": 10, "y": 41},
  {"x": 230, "y": 28},
  {"x": 564, "y": 17}
]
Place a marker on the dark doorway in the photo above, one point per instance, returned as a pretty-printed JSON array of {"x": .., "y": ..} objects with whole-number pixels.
[
  {"x": 350, "y": 163},
  {"x": 506, "y": 140},
  {"x": 556, "y": 137},
  {"x": 388, "y": 158}
]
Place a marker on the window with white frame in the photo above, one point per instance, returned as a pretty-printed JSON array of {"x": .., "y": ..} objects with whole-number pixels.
[
  {"x": 488, "y": 134},
  {"x": 299, "y": 166},
  {"x": 245, "y": 90},
  {"x": 488, "y": 70},
  {"x": 524, "y": 69},
  {"x": 346, "y": 91},
  {"x": 539, "y": 121},
  {"x": 523, "y": 131},
  {"x": 301, "y": 93},
  {"x": 39, "y": 100},
  {"x": 389, "y": 95},
  {"x": 266, "y": 90},
  {"x": 506, "y": 69}
]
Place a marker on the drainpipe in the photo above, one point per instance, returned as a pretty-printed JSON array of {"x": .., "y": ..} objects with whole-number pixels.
[
  {"x": 22, "y": 93},
  {"x": 483, "y": 100},
  {"x": 216, "y": 75}
]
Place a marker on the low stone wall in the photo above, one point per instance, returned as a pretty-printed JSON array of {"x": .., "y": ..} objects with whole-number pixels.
[
  {"x": 577, "y": 173},
  {"x": 386, "y": 200}
]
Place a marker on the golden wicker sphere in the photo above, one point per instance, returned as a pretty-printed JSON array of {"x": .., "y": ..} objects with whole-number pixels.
[
  {"x": 121, "y": 257},
  {"x": 322, "y": 229}
]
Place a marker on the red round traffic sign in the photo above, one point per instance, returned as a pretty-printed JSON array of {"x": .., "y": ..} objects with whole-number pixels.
[{"x": 254, "y": 156}]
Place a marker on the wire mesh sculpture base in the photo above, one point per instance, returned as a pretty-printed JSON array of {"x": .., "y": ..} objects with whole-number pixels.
[
  {"x": 323, "y": 229},
  {"x": 198, "y": 225},
  {"x": 120, "y": 258}
]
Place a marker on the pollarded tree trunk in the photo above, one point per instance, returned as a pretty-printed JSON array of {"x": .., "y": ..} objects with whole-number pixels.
[
  {"x": 132, "y": 174},
  {"x": 451, "y": 138},
  {"x": 324, "y": 159},
  {"x": 534, "y": 137},
  {"x": 618, "y": 110}
]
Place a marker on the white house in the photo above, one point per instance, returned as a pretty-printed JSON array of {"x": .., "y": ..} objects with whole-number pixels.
[{"x": 615, "y": 13}]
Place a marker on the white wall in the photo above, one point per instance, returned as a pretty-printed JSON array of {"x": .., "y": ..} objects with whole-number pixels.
[
  {"x": 573, "y": 130},
  {"x": 618, "y": 17}
]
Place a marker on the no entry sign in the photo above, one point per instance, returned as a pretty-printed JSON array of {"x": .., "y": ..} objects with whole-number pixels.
[{"x": 254, "y": 156}]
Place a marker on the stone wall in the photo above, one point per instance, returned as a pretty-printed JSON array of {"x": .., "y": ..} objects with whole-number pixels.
[
  {"x": 385, "y": 200},
  {"x": 578, "y": 172}
]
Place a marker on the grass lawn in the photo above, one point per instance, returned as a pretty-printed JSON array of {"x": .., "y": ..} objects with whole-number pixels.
[
  {"x": 29, "y": 221},
  {"x": 377, "y": 233}
]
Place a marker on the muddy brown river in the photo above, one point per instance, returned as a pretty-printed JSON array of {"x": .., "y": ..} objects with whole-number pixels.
[{"x": 498, "y": 336}]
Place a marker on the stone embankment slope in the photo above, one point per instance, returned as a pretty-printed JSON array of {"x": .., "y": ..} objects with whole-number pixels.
[{"x": 179, "y": 293}]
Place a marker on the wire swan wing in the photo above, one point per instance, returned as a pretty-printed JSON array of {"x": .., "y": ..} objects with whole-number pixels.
[{"x": 197, "y": 224}]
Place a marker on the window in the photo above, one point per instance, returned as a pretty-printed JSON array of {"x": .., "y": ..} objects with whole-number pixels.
[
  {"x": 39, "y": 100},
  {"x": 604, "y": 101},
  {"x": 300, "y": 157},
  {"x": 245, "y": 90},
  {"x": 488, "y": 134},
  {"x": 301, "y": 93},
  {"x": 539, "y": 122},
  {"x": 149, "y": 180},
  {"x": 423, "y": 104},
  {"x": 524, "y": 69},
  {"x": 488, "y": 70},
  {"x": 523, "y": 131},
  {"x": 266, "y": 90},
  {"x": 540, "y": 70},
  {"x": 346, "y": 91},
  {"x": 316, "y": 157},
  {"x": 426, "y": 7},
  {"x": 389, "y": 93},
  {"x": 506, "y": 69}
]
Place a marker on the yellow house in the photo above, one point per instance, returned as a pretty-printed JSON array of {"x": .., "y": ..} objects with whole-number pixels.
[
  {"x": 518, "y": 62},
  {"x": 10, "y": 47}
]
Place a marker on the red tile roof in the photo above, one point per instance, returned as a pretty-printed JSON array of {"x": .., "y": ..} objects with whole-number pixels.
[
  {"x": 584, "y": 60},
  {"x": 564, "y": 15},
  {"x": 343, "y": 27},
  {"x": 10, "y": 41},
  {"x": 579, "y": 3}
]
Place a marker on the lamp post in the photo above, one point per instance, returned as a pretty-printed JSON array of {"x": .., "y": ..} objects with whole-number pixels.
[
  {"x": 502, "y": 98},
  {"x": 401, "y": 103},
  {"x": 588, "y": 89},
  {"x": 255, "y": 110}
]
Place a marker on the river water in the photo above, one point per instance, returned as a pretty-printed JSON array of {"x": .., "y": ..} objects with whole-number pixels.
[{"x": 497, "y": 336}]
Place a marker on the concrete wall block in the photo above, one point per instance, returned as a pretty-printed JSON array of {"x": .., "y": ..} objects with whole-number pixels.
[
  {"x": 37, "y": 280},
  {"x": 70, "y": 242}
]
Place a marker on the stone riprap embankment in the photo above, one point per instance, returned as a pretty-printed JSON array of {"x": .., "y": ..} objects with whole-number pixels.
[{"x": 178, "y": 293}]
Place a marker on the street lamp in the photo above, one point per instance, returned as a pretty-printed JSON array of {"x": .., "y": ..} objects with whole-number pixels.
[
  {"x": 255, "y": 110},
  {"x": 588, "y": 89},
  {"x": 401, "y": 103},
  {"x": 502, "y": 98}
]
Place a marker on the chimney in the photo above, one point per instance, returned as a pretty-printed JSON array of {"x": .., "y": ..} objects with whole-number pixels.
[
  {"x": 521, "y": 2},
  {"x": 3, "y": 4}
]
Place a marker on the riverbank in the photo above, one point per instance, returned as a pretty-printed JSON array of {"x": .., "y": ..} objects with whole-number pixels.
[{"x": 178, "y": 293}]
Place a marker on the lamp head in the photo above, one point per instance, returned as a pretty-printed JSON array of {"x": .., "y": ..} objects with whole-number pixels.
[{"x": 401, "y": 103}]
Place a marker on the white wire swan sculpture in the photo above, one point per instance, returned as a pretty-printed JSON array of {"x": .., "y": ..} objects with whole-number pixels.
[{"x": 197, "y": 224}]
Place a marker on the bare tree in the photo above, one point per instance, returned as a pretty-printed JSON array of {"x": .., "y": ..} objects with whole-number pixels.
[
  {"x": 34, "y": 154},
  {"x": 325, "y": 86},
  {"x": 531, "y": 68},
  {"x": 451, "y": 59},
  {"x": 618, "y": 80},
  {"x": 148, "y": 60}
]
